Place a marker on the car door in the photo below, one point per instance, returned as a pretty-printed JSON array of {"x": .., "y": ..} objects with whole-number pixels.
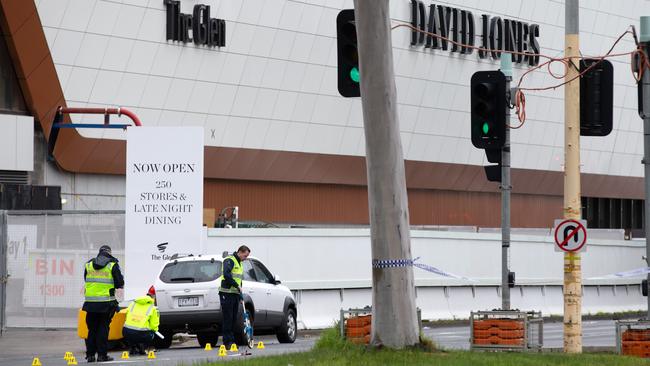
[
  {"x": 274, "y": 297},
  {"x": 257, "y": 293}
]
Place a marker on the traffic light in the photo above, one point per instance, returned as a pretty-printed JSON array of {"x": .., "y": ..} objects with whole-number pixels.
[
  {"x": 488, "y": 109},
  {"x": 596, "y": 98},
  {"x": 348, "y": 54}
]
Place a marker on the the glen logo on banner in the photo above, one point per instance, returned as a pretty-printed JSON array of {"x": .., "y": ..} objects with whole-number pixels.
[
  {"x": 205, "y": 30},
  {"x": 498, "y": 34},
  {"x": 164, "y": 200}
]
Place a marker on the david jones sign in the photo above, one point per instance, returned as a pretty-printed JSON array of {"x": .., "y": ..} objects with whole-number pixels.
[{"x": 498, "y": 34}]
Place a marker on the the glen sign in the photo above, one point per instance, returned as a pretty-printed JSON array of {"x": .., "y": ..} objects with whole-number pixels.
[
  {"x": 498, "y": 34},
  {"x": 205, "y": 30}
]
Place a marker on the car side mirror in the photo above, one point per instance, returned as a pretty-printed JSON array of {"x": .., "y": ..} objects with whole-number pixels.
[{"x": 277, "y": 280}]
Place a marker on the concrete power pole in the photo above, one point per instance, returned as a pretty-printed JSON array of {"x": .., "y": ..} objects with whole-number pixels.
[
  {"x": 572, "y": 202},
  {"x": 394, "y": 318}
]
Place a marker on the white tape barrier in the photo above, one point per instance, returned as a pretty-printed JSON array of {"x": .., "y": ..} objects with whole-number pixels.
[{"x": 392, "y": 263}]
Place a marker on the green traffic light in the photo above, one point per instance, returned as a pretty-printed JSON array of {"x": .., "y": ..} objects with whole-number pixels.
[
  {"x": 354, "y": 74},
  {"x": 486, "y": 128}
]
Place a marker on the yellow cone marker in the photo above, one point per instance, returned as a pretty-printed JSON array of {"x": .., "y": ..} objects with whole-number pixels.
[
  {"x": 151, "y": 355},
  {"x": 72, "y": 361},
  {"x": 222, "y": 351},
  {"x": 208, "y": 347},
  {"x": 68, "y": 356},
  {"x": 260, "y": 345},
  {"x": 222, "y": 348},
  {"x": 36, "y": 362},
  {"x": 233, "y": 348},
  {"x": 125, "y": 355}
]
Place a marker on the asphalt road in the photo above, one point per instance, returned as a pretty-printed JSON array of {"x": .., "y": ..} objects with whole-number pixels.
[{"x": 18, "y": 347}]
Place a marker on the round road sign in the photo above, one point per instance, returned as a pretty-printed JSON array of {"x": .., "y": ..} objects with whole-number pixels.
[{"x": 570, "y": 235}]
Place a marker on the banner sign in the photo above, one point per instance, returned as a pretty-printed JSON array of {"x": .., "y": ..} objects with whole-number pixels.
[{"x": 164, "y": 200}]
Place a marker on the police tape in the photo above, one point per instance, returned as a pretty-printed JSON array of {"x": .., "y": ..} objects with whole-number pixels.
[
  {"x": 625, "y": 274},
  {"x": 394, "y": 263}
]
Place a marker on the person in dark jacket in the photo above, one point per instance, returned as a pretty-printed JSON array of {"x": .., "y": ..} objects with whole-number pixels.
[
  {"x": 230, "y": 293},
  {"x": 102, "y": 276}
]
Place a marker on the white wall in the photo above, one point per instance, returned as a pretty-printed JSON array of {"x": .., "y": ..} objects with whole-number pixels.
[
  {"x": 273, "y": 86},
  {"x": 16, "y": 142},
  {"x": 329, "y": 269}
]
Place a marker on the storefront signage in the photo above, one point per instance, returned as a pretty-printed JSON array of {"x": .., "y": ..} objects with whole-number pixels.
[
  {"x": 205, "y": 30},
  {"x": 498, "y": 34}
]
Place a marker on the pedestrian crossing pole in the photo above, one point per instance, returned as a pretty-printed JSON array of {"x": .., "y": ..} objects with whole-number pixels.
[{"x": 572, "y": 289}]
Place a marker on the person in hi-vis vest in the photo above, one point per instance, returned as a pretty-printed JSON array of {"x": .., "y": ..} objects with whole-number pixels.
[
  {"x": 102, "y": 276},
  {"x": 230, "y": 292},
  {"x": 141, "y": 324}
]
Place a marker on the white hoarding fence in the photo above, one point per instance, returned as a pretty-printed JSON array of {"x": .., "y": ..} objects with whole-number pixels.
[{"x": 164, "y": 200}]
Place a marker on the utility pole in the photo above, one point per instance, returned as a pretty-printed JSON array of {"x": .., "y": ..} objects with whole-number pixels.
[
  {"x": 572, "y": 203},
  {"x": 645, "y": 114},
  {"x": 506, "y": 187},
  {"x": 394, "y": 319}
]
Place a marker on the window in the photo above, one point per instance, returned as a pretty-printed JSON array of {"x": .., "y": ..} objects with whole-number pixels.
[
  {"x": 262, "y": 273},
  {"x": 191, "y": 271},
  {"x": 249, "y": 272},
  {"x": 614, "y": 213},
  {"x": 11, "y": 96}
]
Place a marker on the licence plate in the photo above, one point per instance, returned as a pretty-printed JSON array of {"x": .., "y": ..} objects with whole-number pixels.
[{"x": 188, "y": 301}]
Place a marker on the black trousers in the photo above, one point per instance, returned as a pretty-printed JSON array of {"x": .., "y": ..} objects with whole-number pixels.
[
  {"x": 138, "y": 337},
  {"x": 229, "y": 307},
  {"x": 97, "y": 341}
]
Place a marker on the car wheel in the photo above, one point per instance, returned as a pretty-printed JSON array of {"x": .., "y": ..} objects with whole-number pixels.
[
  {"x": 207, "y": 337},
  {"x": 163, "y": 343},
  {"x": 288, "y": 330}
]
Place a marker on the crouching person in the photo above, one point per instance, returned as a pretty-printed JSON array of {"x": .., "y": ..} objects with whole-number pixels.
[{"x": 142, "y": 321}]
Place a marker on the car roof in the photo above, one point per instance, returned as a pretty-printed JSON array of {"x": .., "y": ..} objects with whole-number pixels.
[{"x": 204, "y": 257}]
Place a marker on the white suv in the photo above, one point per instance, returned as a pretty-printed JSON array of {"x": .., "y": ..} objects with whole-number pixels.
[{"x": 187, "y": 295}]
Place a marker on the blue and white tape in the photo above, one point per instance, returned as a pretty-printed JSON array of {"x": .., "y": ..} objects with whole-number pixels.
[{"x": 395, "y": 263}]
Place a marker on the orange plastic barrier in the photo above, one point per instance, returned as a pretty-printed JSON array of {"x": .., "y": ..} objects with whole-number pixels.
[
  {"x": 357, "y": 332},
  {"x": 358, "y": 321}
]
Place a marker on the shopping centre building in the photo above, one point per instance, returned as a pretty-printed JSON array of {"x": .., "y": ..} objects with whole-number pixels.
[{"x": 260, "y": 76}]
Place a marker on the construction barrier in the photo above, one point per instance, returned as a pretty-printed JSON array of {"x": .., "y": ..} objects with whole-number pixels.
[
  {"x": 355, "y": 324},
  {"x": 633, "y": 338},
  {"x": 510, "y": 330}
]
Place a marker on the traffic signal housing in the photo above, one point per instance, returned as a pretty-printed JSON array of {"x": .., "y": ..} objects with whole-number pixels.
[
  {"x": 596, "y": 98},
  {"x": 488, "y": 109},
  {"x": 348, "y": 54}
]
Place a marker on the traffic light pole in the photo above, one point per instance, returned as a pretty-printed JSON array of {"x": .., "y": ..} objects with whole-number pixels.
[
  {"x": 506, "y": 187},
  {"x": 572, "y": 289},
  {"x": 645, "y": 114}
]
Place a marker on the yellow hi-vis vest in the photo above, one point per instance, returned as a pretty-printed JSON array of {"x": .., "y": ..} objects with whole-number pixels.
[
  {"x": 142, "y": 315},
  {"x": 99, "y": 283},
  {"x": 237, "y": 275}
]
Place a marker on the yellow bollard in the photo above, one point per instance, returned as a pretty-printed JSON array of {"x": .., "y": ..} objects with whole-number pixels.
[
  {"x": 260, "y": 345},
  {"x": 36, "y": 362},
  {"x": 68, "y": 356},
  {"x": 125, "y": 355},
  {"x": 72, "y": 361},
  {"x": 208, "y": 347},
  {"x": 151, "y": 355},
  {"x": 233, "y": 348}
]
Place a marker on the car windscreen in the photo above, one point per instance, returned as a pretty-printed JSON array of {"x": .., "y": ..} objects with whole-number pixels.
[{"x": 191, "y": 271}]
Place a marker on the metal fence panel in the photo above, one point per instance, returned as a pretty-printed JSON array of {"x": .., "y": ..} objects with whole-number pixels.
[{"x": 46, "y": 253}]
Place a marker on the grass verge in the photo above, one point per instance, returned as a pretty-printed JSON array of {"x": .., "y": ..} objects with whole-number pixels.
[{"x": 332, "y": 350}]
